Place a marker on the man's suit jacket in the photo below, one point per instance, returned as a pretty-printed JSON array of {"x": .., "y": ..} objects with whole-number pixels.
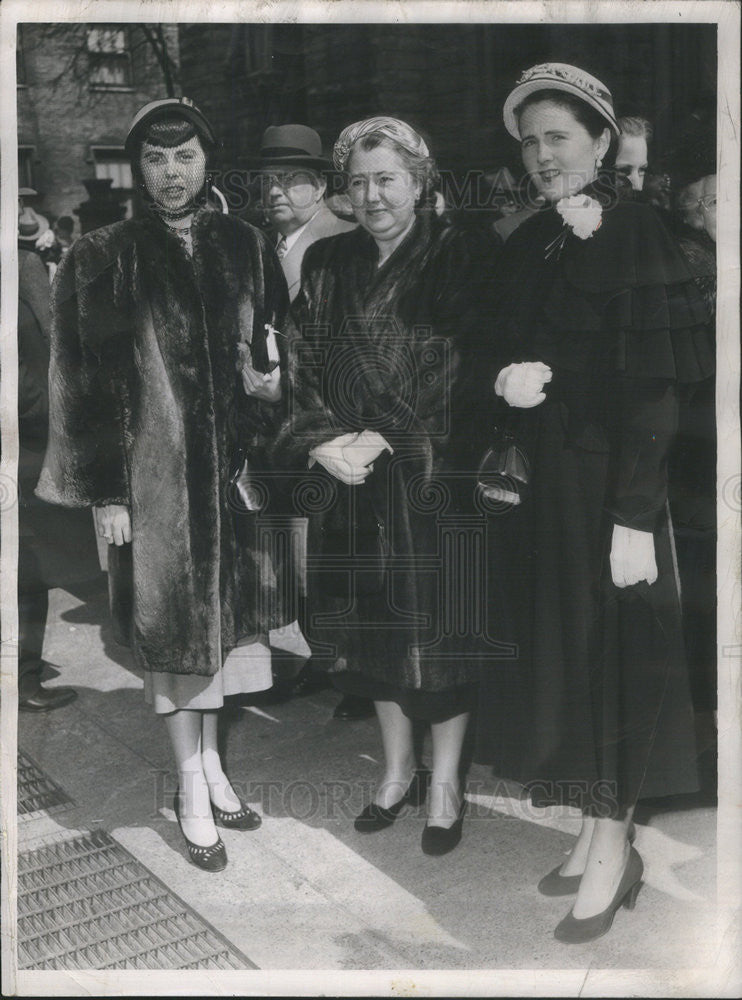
[{"x": 324, "y": 223}]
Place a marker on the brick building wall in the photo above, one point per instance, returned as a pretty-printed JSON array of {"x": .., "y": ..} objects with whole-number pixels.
[
  {"x": 64, "y": 117},
  {"x": 450, "y": 80}
]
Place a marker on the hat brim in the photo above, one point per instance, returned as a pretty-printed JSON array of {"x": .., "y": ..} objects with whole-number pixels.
[
  {"x": 519, "y": 93},
  {"x": 43, "y": 227},
  {"x": 167, "y": 110}
]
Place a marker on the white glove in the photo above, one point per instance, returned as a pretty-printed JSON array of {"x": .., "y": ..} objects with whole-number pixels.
[
  {"x": 522, "y": 384},
  {"x": 350, "y": 457},
  {"x": 632, "y": 556}
]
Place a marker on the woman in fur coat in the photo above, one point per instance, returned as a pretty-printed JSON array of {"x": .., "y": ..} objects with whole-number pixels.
[
  {"x": 382, "y": 410},
  {"x": 151, "y": 397}
]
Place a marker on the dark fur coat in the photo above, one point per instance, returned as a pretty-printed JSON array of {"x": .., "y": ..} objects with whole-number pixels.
[
  {"x": 403, "y": 349},
  {"x": 146, "y": 408}
]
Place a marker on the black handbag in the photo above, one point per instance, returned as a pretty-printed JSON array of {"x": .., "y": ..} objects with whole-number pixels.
[{"x": 504, "y": 471}]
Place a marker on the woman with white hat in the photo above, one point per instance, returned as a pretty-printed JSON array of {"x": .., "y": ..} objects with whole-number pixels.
[
  {"x": 151, "y": 397},
  {"x": 603, "y": 325}
]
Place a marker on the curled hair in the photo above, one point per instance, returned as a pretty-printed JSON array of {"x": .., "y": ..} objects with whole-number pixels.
[
  {"x": 422, "y": 168},
  {"x": 591, "y": 120},
  {"x": 640, "y": 127}
]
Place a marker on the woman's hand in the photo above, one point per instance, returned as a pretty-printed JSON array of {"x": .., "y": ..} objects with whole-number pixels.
[
  {"x": 632, "y": 556},
  {"x": 522, "y": 384},
  {"x": 113, "y": 523},
  {"x": 262, "y": 385},
  {"x": 350, "y": 457}
]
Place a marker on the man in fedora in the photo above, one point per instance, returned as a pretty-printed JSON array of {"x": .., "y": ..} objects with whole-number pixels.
[
  {"x": 293, "y": 179},
  {"x": 31, "y": 225},
  {"x": 293, "y": 182}
]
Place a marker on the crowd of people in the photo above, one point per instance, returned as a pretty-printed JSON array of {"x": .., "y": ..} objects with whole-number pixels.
[{"x": 347, "y": 377}]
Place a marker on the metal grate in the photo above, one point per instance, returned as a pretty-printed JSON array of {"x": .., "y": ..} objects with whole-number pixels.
[
  {"x": 86, "y": 903},
  {"x": 36, "y": 792}
]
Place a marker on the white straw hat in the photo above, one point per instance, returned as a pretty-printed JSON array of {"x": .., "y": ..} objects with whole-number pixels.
[{"x": 560, "y": 76}]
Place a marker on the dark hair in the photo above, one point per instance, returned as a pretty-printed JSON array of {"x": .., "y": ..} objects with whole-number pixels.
[
  {"x": 168, "y": 132},
  {"x": 422, "y": 168},
  {"x": 590, "y": 119}
]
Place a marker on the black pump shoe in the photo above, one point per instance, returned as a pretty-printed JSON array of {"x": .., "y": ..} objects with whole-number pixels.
[
  {"x": 438, "y": 840},
  {"x": 244, "y": 818},
  {"x": 374, "y": 817},
  {"x": 556, "y": 884},
  {"x": 212, "y": 858},
  {"x": 573, "y": 930}
]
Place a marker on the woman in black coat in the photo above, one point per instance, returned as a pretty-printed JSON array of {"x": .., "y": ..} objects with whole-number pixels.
[
  {"x": 604, "y": 325},
  {"x": 382, "y": 373},
  {"x": 151, "y": 398}
]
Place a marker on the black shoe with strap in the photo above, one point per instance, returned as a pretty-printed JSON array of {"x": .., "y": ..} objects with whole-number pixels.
[
  {"x": 375, "y": 817},
  {"x": 244, "y": 818},
  {"x": 212, "y": 858}
]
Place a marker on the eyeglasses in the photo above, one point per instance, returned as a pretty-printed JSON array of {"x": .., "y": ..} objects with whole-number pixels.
[
  {"x": 708, "y": 202},
  {"x": 286, "y": 180}
]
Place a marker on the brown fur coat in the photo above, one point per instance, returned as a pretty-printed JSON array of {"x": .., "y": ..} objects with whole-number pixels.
[{"x": 146, "y": 408}]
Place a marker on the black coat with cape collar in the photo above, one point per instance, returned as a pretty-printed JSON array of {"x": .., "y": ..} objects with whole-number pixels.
[{"x": 146, "y": 407}]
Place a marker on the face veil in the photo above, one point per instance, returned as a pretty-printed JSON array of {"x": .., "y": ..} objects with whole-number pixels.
[{"x": 169, "y": 163}]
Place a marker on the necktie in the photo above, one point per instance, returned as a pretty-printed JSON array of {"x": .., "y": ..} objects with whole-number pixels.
[{"x": 281, "y": 248}]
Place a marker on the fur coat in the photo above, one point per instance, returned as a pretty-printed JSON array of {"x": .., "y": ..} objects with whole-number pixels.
[
  {"x": 147, "y": 409},
  {"x": 403, "y": 349}
]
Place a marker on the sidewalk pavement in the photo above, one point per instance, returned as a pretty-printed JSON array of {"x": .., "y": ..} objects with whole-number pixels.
[{"x": 305, "y": 891}]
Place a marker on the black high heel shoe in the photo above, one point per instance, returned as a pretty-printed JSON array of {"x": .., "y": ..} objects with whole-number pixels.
[
  {"x": 374, "y": 817},
  {"x": 212, "y": 858},
  {"x": 438, "y": 840},
  {"x": 572, "y": 930},
  {"x": 244, "y": 818},
  {"x": 556, "y": 884}
]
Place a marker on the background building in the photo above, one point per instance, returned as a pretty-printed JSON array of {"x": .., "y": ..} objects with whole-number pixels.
[
  {"x": 448, "y": 79},
  {"x": 78, "y": 88},
  {"x": 79, "y": 85}
]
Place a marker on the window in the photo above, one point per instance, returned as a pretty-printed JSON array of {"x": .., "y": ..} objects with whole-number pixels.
[
  {"x": 109, "y": 58},
  {"x": 26, "y": 156},
  {"x": 111, "y": 162}
]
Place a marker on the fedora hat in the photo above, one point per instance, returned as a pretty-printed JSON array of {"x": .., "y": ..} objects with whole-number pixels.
[
  {"x": 31, "y": 225},
  {"x": 560, "y": 76},
  {"x": 292, "y": 145}
]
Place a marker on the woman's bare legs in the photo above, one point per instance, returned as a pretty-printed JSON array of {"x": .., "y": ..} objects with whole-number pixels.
[
  {"x": 575, "y": 863},
  {"x": 445, "y": 786},
  {"x": 605, "y": 865},
  {"x": 184, "y": 730},
  {"x": 399, "y": 753},
  {"x": 222, "y": 794}
]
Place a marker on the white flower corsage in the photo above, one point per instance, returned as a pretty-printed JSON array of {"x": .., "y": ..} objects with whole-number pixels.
[
  {"x": 46, "y": 240},
  {"x": 582, "y": 215}
]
